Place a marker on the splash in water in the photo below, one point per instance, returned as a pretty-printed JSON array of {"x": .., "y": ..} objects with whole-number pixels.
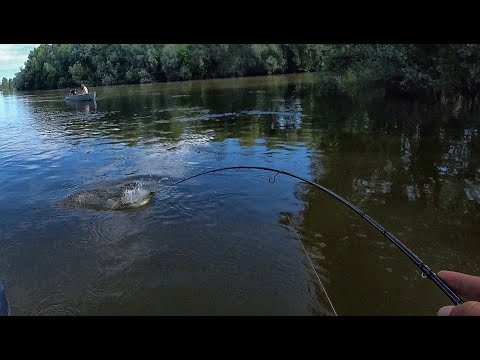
[{"x": 123, "y": 196}]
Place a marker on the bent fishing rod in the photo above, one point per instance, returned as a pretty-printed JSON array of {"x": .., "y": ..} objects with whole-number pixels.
[{"x": 411, "y": 255}]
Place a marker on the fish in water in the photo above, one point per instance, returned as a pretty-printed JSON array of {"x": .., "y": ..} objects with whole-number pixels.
[{"x": 124, "y": 196}]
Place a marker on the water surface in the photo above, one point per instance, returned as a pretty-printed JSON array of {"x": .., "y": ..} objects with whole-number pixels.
[{"x": 227, "y": 243}]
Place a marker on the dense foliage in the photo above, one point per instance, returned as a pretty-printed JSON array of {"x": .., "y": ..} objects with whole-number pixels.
[
  {"x": 6, "y": 85},
  {"x": 436, "y": 69}
]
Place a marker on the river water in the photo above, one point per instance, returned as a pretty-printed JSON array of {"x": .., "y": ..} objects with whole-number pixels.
[{"x": 231, "y": 242}]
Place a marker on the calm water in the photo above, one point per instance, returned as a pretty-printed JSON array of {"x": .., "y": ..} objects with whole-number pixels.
[{"x": 228, "y": 243}]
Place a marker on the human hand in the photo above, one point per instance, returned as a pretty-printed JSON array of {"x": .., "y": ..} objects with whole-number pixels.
[{"x": 468, "y": 287}]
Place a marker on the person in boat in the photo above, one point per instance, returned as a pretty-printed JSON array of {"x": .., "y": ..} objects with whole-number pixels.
[
  {"x": 84, "y": 88},
  {"x": 73, "y": 92},
  {"x": 468, "y": 287}
]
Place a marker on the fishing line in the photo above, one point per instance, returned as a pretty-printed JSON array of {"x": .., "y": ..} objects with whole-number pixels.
[
  {"x": 311, "y": 263},
  {"x": 426, "y": 271}
]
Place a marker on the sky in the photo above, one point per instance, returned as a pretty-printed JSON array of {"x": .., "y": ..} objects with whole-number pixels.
[{"x": 12, "y": 57}]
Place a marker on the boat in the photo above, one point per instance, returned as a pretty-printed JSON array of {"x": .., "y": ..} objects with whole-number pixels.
[
  {"x": 82, "y": 97},
  {"x": 86, "y": 106}
]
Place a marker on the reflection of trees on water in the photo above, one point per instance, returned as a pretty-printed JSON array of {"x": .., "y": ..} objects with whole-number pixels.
[
  {"x": 412, "y": 168},
  {"x": 163, "y": 115},
  {"x": 399, "y": 143}
]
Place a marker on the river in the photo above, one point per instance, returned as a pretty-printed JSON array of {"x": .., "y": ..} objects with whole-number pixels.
[{"x": 232, "y": 243}]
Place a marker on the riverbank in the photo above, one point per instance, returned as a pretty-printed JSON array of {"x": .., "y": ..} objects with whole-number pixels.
[{"x": 437, "y": 69}]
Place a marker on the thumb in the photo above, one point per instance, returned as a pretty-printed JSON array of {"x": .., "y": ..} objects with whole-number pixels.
[{"x": 470, "y": 308}]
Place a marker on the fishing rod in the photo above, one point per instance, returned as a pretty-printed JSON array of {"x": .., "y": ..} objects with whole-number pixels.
[{"x": 411, "y": 255}]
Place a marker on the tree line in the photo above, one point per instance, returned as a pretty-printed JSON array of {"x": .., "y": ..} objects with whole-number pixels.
[
  {"x": 6, "y": 84},
  {"x": 410, "y": 68}
]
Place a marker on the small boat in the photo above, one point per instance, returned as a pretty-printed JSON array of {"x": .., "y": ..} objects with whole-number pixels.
[
  {"x": 86, "y": 106},
  {"x": 82, "y": 97}
]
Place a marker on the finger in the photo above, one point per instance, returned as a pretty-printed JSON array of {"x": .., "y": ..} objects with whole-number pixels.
[
  {"x": 470, "y": 308},
  {"x": 466, "y": 285},
  {"x": 445, "y": 311}
]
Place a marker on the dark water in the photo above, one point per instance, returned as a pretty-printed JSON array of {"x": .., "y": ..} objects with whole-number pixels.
[{"x": 226, "y": 243}]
